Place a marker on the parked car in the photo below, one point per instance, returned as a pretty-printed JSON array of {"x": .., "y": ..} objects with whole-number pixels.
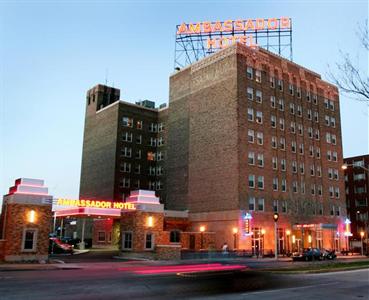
[
  {"x": 57, "y": 246},
  {"x": 308, "y": 254},
  {"x": 329, "y": 254}
]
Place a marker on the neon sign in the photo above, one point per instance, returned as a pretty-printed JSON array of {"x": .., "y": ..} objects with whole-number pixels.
[
  {"x": 96, "y": 204},
  {"x": 247, "y": 224},
  {"x": 347, "y": 228}
]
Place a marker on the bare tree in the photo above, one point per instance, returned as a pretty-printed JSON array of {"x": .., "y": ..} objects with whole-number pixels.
[{"x": 349, "y": 76}]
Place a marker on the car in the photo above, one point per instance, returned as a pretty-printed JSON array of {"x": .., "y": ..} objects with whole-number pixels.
[
  {"x": 308, "y": 254},
  {"x": 57, "y": 246}
]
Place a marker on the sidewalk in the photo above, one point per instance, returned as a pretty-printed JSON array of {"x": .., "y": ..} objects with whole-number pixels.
[{"x": 37, "y": 267}]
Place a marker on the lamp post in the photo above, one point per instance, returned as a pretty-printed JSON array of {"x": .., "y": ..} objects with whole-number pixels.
[
  {"x": 275, "y": 218},
  {"x": 293, "y": 242},
  {"x": 235, "y": 231},
  {"x": 262, "y": 235},
  {"x": 362, "y": 245},
  {"x": 288, "y": 232},
  {"x": 202, "y": 229}
]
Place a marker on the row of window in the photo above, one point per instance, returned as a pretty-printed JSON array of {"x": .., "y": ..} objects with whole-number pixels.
[
  {"x": 128, "y": 137},
  {"x": 151, "y": 156},
  {"x": 153, "y": 185},
  {"x": 153, "y": 127},
  {"x": 328, "y": 104},
  {"x": 126, "y": 168},
  {"x": 258, "y": 182},
  {"x": 127, "y": 239}
]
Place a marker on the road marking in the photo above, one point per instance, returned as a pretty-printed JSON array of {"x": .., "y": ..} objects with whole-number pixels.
[
  {"x": 338, "y": 272},
  {"x": 286, "y": 289}
]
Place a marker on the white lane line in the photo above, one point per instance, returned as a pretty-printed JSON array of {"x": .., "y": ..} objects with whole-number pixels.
[
  {"x": 287, "y": 289},
  {"x": 338, "y": 272}
]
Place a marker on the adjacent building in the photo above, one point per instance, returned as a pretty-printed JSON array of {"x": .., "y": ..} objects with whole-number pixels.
[{"x": 357, "y": 194}]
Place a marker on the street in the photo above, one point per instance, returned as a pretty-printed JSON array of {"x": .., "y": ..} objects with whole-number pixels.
[{"x": 135, "y": 280}]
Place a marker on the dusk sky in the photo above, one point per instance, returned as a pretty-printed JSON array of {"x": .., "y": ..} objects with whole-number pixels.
[{"x": 52, "y": 52}]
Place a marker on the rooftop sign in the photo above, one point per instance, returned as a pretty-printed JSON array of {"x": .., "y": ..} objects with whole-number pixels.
[
  {"x": 95, "y": 204},
  {"x": 196, "y": 40}
]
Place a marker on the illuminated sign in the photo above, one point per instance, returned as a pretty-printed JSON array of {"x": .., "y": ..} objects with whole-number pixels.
[
  {"x": 242, "y": 31},
  {"x": 305, "y": 225},
  {"x": 347, "y": 228},
  {"x": 247, "y": 224},
  {"x": 95, "y": 204}
]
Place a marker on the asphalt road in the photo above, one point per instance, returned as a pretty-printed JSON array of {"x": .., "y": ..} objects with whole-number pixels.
[{"x": 123, "y": 283}]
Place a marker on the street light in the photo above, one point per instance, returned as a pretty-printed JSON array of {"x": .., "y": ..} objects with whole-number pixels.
[
  {"x": 235, "y": 231},
  {"x": 288, "y": 232},
  {"x": 202, "y": 229},
  {"x": 275, "y": 218},
  {"x": 362, "y": 245}
]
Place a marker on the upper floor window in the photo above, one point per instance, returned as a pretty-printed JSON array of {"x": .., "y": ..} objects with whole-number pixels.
[
  {"x": 127, "y": 122},
  {"x": 250, "y": 93},
  {"x": 250, "y": 73},
  {"x": 258, "y": 76}
]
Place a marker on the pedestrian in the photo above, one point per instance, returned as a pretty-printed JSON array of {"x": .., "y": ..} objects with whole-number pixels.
[{"x": 225, "y": 249}]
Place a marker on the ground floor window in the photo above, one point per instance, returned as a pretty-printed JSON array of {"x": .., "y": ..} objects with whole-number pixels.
[
  {"x": 149, "y": 241},
  {"x": 101, "y": 236},
  {"x": 257, "y": 241},
  {"x": 175, "y": 236},
  {"x": 319, "y": 239},
  {"x": 29, "y": 240},
  {"x": 127, "y": 240}
]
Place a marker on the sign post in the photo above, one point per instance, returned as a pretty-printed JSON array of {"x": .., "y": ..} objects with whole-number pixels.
[{"x": 275, "y": 218}]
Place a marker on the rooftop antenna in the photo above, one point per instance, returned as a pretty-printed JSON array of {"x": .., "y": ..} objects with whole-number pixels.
[{"x": 106, "y": 76}]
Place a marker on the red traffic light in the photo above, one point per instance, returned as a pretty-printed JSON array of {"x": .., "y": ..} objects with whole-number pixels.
[{"x": 275, "y": 217}]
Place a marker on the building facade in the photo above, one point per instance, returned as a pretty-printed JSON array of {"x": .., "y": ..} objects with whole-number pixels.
[
  {"x": 357, "y": 194},
  {"x": 256, "y": 134}
]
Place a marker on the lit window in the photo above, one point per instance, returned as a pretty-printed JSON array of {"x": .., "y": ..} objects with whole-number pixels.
[
  {"x": 139, "y": 124},
  {"x": 127, "y": 122},
  {"x": 259, "y": 117},
  {"x": 258, "y": 76}
]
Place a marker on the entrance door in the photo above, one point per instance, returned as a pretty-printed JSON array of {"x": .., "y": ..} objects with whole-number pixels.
[
  {"x": 298, "y": 245},
  {"x": 192, "y": 242}
]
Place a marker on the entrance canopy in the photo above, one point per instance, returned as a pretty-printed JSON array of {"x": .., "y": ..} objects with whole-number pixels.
[{"x": 83, "y": 212}]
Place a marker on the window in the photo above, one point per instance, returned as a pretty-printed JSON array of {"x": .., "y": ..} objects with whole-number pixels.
[
  {"x": 284, "y": 206},
  {"x": 258, "y": 76},
  {"x": 139, "y": 139},
  {"x": 283, "y": 164},
  {"x": 298, "y": 92},
  {"x": 312, "y": 189},
  {"x": 153, "y": 127},
  {"x": 301, "y": 148},
  {"x": 317, "y": 134},
  {"x": 293, "y": 127},
  {"x": 101, "y": 236},
  {"x": 331, "y": 191},
  {"x": 127, "y": 137},
  {"x": 310, "y": 132},
  {"x": 152, "y": 142},
  {"x": 250, "y": 114},
  {"x": 127, "y": 122},
  {"x": 161, "y": 127},
  {"x": 360, "y": 176},
  {"x": 315, "y": 99},
  {"x": 275, "y": 183},
  {"x": 259, "y": 96},
  {"x": 125, "y": 167},
  {"x": 139, "y": 124},
  {"x": 290, "y": 88},
  {"x": 127, "y": 240},
  {"x": 308, "y": 97},
  {"x": 261, "y": 160},
  {"x": 326, "y": 103},
  {"x": 300, "y": 129},
  {"x": 320, "y": 208},
  {"x": 275, "y": 205},
  {"x": 292, "y": 108},
  {"x": 261, "y": 204},
  {"x": 316, "y": 116},
  {"x": 294, "y": 186},
  {"x": 137, "y": 169},
  {"x": 250, "y": 72},
  {"x": 280, "y": 84},
  {"x": 335, "y": 174},
  {"x": 274, "y": 142},
  {"x": 281, "y": 104},
  {"x": 126, "y": 152},
  {"x": 329, "y": 155},
  {"x": 281, "y": 124},
  {"x": 293, "y": 146},
  {"x": 159, "y": 156},
  {"x": 302, "y": 168},
  {"x": 294, "y": 166},
  {"x": 334, "y": 156},
  {"x": 138, "y": 154},
  {"x": 260, "y": 182},
  {"x": 250, "y": 135},
  {"x": 334, "y": 139},
  {"x": 311, "y": 151},
  {"x": 259, "y": 117},
  {"x": 317, "y": 151},
  {"x": 312, "y": 170},
  {"x": 320, "y": 190},
  {"x": 251, "y": 159},
  {"x": 160, "y": 141},
  {"x": 251, "y": 203},
  {"x": 159, "y": 170},
  {"x": 302, "y": 187},
  {"x": 319, "y": 171},
  {"x": 331, "y": 105},
  {"x": 275, "y": 163},
  {"x": 273, "y": 121},
  {"x": 299, "y": 110},
  {"x": 149, "y": 241},
  {"x": 175, "y": 236},
  {"x": 250, "y": 93},
  {"x": 125, "y": 182},
  {"x": 272, "y": 82},
  {"x": 137, "y": 183},
  {"x": 150, "y": 156},
  {"x": 251, "y": 181},
  {"x": 337, "y": 192},
  {"x": 272, "y": 101},
  {"x": 328, "y": 137},
  {"x": 260, "y": 138},
  {"x": 327, "y": 120},
  {"x": 282, "y": 143},
  {"x": 29, "y": 240},
  {"x": 309, "y": 114},
  {"x": 283, "y": 185}
]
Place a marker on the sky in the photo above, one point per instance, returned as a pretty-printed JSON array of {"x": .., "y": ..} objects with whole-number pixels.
[{"x": 52, "y": 52}]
